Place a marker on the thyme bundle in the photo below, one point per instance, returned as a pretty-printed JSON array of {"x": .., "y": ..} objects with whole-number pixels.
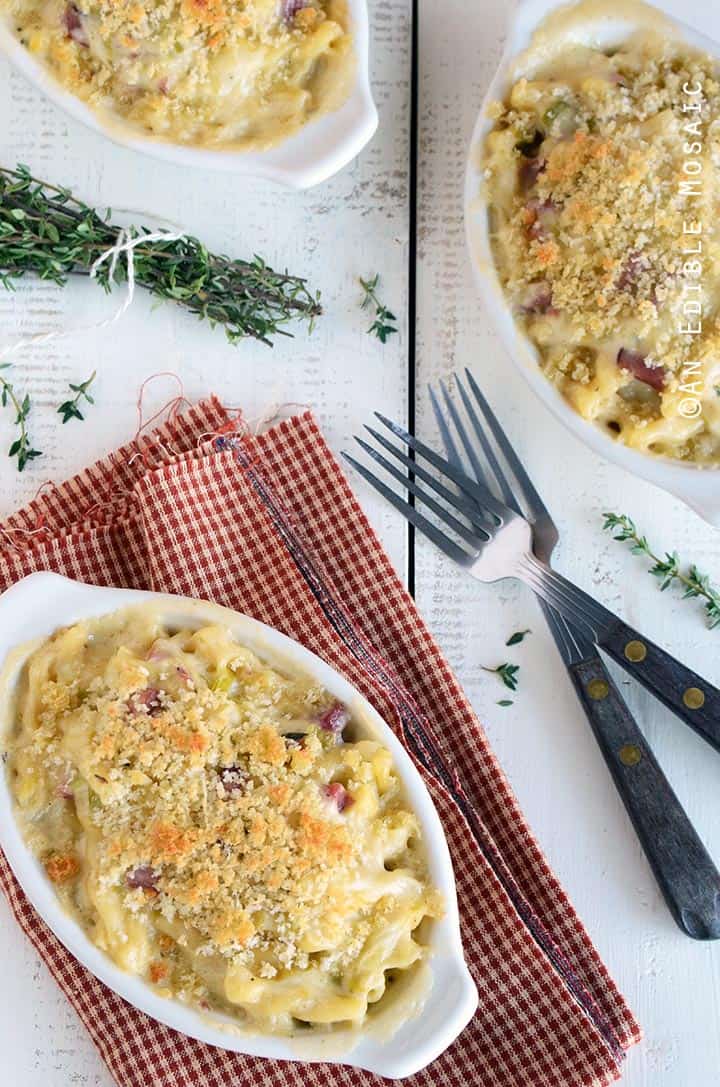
[{"x": 48, "y": 232}]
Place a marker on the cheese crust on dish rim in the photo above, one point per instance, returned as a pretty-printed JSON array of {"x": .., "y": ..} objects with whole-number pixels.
[
  {"x": 217, "y": 827},
  {"x": 223, "y": 74},
  {"x": 605, "y": 242}
]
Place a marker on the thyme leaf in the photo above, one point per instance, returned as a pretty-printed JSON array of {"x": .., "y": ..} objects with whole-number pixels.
[
  {"x": 48, "y": 232},
  {"x": 517, "y": 637},
  {"x": 384, "y": 323},
  {"x": 508, "y": 673},
  {"x": 70, "y": 409},
  {"x": 21, "y": 446},
  {"x": 668, "y": 570}
]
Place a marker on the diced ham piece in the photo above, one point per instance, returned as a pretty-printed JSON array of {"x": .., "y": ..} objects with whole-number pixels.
[
  {"x": 144, "y": 877},
  {"x": 334, "y": 719},
  {"x": 539, "y": 300},
  {"x": 163, "y": 86},
  {"x": 528, "y": 173},
  {"x": 630, "y": 271},
  {"x": 634, "y": 363},
  {"x": 233, "y": 779},
  {"x": 64, "y": 790},
  {"x": 72, "y": 21},
  {"x": 145, "y": 701},
  {"x": 338, "y": 795},
  {"x": 290, "y": 8}
]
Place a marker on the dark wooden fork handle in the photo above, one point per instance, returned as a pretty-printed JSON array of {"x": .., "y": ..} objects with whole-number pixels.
[
  {"x": 683, "y": 691},
  {"x": 682, "y": 866}
]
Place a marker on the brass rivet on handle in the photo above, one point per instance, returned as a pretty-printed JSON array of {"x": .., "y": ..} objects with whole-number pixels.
[
  {"x": 694, "y": 698},
  {"x": 598, "y": 689},
  {"x": 635, "y": 652},
  {"x": 630, "y": 754}
]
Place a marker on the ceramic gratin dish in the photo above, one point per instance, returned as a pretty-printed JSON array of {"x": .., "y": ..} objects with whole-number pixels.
[
  {"x": 600, "y": 23},
  {"x": 442, "y": 1002},
  {"x": 320, "y": 149}
]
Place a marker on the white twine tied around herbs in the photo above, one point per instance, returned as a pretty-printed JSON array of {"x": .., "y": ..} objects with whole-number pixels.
[{"x": 125, "y": 245}]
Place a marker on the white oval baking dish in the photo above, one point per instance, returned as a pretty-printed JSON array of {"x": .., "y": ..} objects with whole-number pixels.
[
  {"x": 41, "y": 603},
  {"x": 321, "y": 148},
  {"x": 603, "y": 23}
]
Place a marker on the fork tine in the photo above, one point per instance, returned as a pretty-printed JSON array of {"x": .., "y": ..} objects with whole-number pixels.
[
  {"x": 433, "y": 533},
  {"x": 459, "y": 502},
  {"x": 500, "y": 476},
  {"x": 472, "y": 456},
  {"x": 532, "y": 498},
  {"x": 444, "y": 514},
  {"x": 453, "y": 454},
  {"x": 474, "y": 489}
]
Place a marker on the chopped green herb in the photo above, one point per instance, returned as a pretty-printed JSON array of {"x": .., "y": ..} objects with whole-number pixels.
[
  {"x": 507, "y": 673},
  {"x": 517, "y": 637},
  {"x": 554, "y": 111},
  {"x": 506, "y": 702},
  {"x": 668, "y": 570},
  {"x": 70, "y": 409},
  {"x": 384, "y": 323}
]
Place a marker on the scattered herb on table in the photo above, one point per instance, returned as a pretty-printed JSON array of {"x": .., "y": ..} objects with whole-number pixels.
[
  {"x": 48, "y": 232},
  {"x": 518, "y": 637},
  {"x": 506, "y": 702},
  {"x": 21, "y": 447},
  {"x": 70, "y": 409},
  {"x": 508, "y": 673},
  {"x": 668, "y": 570},
  {"x": 384, "y": 323}
]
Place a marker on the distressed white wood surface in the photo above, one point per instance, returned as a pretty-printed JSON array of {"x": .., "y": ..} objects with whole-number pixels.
[
  {"x": 543, "y": 741},
  {"x": 355, "y": 225}
]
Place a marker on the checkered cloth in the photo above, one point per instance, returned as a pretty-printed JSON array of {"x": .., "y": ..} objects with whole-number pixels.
[{"x": 268, "y": 525}]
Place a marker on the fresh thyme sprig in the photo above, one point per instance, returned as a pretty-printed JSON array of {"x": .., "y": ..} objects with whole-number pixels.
[
  {"x": 70, "y": 409},
  {"x": 508, "y": 673},
  {"x": 46, "y": 231},
  {"x": 384, "y": 323},
  {"x": 668, "y": 570},
  {"x": 21, "y": 447}
]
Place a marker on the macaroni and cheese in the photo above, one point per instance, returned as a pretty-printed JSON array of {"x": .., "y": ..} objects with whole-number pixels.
[
  {"x": 603, "y": 186},
  {"x": 219, "y": 73},
  {"x": 217, "y": 827}
]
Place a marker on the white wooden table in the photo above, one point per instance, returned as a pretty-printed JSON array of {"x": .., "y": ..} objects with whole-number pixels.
[{"x": 355, "y": 225}]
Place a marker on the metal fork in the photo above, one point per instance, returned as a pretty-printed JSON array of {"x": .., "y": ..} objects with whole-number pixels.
[{"x": 684, "y": 870}]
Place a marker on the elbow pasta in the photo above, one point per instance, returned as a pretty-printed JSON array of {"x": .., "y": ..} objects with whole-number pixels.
[
  {"x": 241, "y": 74},
  {"x": 604, "y": 250},
  {"x": 215, "y": 826}
]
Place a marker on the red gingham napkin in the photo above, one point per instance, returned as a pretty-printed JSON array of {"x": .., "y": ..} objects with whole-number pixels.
[{"x": 268, "y": 525}]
